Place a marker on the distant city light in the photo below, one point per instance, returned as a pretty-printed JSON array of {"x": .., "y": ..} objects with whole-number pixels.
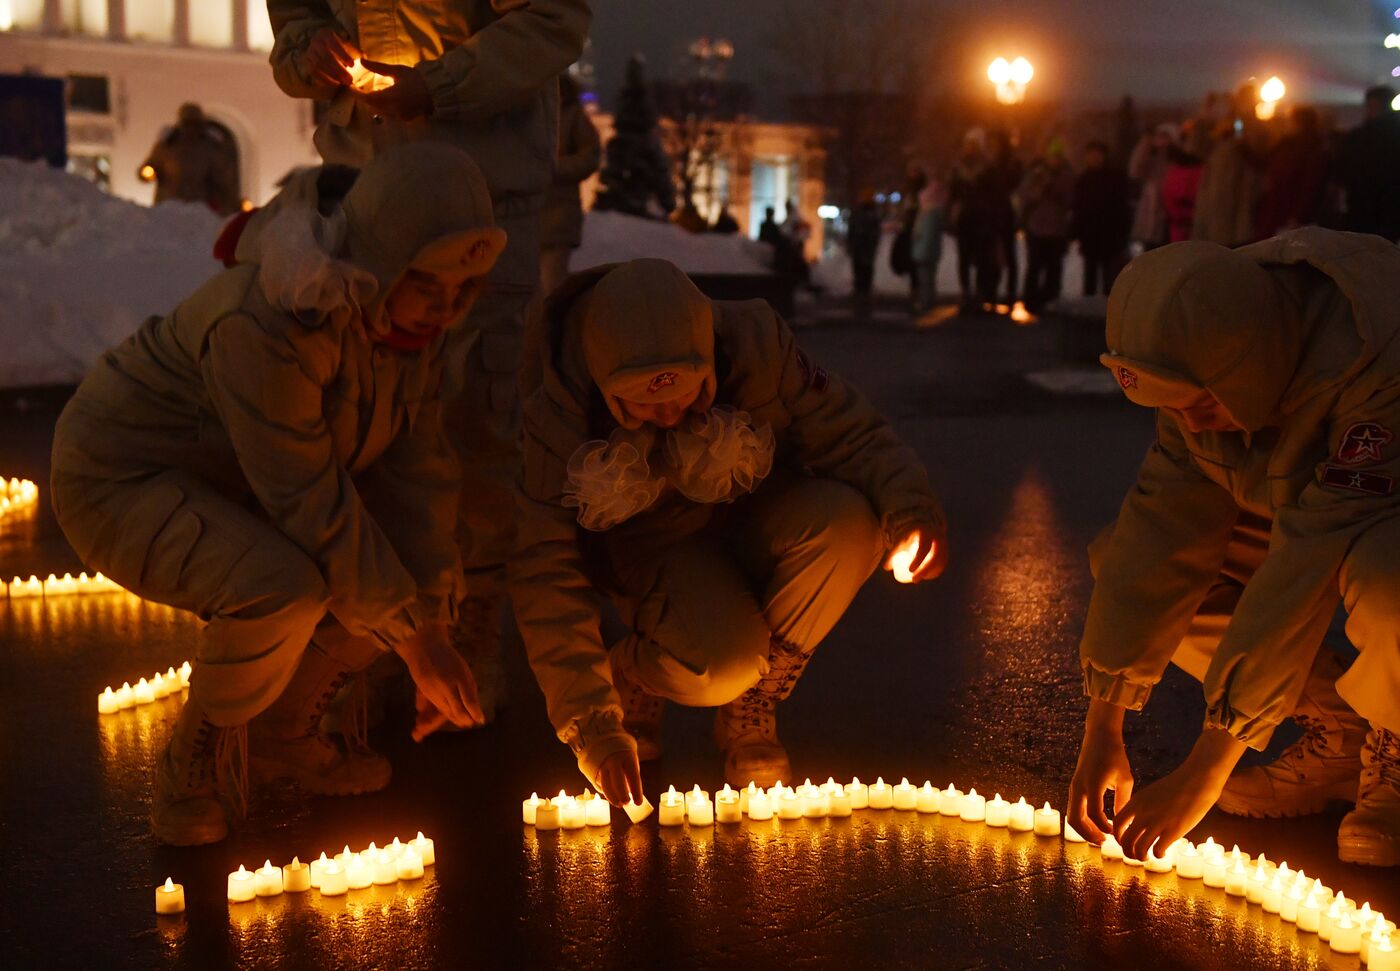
[
  {"x": 895, "y": 197},
  {"x": 1010, "y": 79},
  {"x": 1395, "y": 72},
  {"x": 1272, "y": 90},
  {"x": 828, "y": 212},
  {"x": 880, "y": 197},
  {"x": 1021, "y": 71},
  {"x": 999, "y": 71},
  {"x": 1392, "y": 40},
  {"x": 1395, "y": 103}
]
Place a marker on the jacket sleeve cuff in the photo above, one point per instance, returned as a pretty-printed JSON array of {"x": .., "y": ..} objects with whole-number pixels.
[
  {"x": 595, "y": 739},
  {"x": 444, "y": 85},
  {"x": 1252, "y": 730},
  {"x": 1115, "y": 689},
  {"x": 400, "y": 626}
]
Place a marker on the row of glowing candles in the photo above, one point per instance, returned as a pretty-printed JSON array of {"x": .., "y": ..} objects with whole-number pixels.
[
  {"x": 332, "y": 876},
  {"x": 1295, "y": 897},
  {"x": 65, "y": 586},
  {"x": 16, "y": 496},
  {"x": 145, "y": 691}
]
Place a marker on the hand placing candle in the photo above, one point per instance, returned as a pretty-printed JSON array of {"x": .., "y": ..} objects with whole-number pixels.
[
  {"x": 915, "y": 548},
  {"x": 636, "y": 812},
  {"x": 170, "y": 897}
]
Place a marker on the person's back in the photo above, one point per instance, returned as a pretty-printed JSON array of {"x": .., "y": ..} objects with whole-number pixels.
[
  {"x": 1369, "y": 169},
  {"x": 863, "y": 238},
  {"x": 193, "y": 162}
]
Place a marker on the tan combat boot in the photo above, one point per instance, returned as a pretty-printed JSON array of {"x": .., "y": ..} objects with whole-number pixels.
[
  {"x": 286, "y": 741},
  {"x": 641, "y": 714},
  {"x": 477, "y": 637},
  {"x": 746, "y": 729},
  {"x": 1321, "y": 767},
  {"x": 198, "y": 762},
  {"x": 1370, "y": 833}
]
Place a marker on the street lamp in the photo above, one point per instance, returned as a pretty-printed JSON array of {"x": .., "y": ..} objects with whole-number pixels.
[
  {"x": 1271, "y": 92},
  {"x": 1010, "y": 79}
]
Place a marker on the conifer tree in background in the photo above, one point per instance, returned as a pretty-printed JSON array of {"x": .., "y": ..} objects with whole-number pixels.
[{"x": 636, "y": 170}]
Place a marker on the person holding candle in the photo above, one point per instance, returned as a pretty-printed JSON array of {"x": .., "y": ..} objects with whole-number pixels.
[
  {"x": 270, "y": 456},
  {"x": 1269, "y": 496},
  {"x": 685, "y": 458}
]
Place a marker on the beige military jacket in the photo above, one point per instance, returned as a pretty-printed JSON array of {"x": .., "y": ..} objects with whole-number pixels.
[
  {"x": 1318, "y": 385},
  {"x": 819, "y": 423},
  {"x": 490, "y": 65}
]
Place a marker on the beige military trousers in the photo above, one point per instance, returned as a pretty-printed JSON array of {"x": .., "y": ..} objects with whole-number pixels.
[
  {"x": 170, "y": 537},
  {"x": 703, "y": 609},
  {"x": 1370, "y": 588}
]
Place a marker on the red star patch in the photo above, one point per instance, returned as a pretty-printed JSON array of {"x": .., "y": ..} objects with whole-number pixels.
[
  {"x": 663, "y": 380},
  {"x": 1363, "y": 442},
  {"x": 1127, "y": 377}
]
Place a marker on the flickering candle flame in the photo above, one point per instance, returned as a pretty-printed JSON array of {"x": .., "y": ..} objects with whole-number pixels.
[
  {"x": 365, "y": 81},
  {"x": 901, "y": 561}
]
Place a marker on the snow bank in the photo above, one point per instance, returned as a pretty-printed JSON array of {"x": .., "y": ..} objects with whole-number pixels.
[
  {"x": 611, "y": 237},
  {"x": 80, "y": 270}
]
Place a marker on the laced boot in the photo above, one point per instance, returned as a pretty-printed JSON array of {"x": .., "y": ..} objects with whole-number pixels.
[
  {"x": 477, "y": 637},
  {"x": 1319, "y": 768},
  {"x": 746, "y": 729},
  {"x": 287, "y": 741},
  {"x": 1370, "y": 833},
  {"x": 641, "y": 714},
  {"x": 200, "y": 761}
]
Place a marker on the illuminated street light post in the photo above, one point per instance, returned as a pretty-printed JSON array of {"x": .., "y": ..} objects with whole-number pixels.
[
  {"x": 1271, "y": 92},
  {"x": 1010, "y": 79}
]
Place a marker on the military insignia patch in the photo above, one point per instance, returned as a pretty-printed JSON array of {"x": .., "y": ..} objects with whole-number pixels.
[
  {"x": 1363, "y": 442},
  {"x": 663, "y": 380},
  {"x": 1127, "y": 377},
  {"x": 1371, "y": 483}
]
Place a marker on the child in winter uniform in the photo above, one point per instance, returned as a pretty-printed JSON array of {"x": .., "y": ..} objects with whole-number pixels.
[
  {"x": 683, "y": 457},
  {"x": 270, "y": 456},
  {"x": 1269, "y": 494}
]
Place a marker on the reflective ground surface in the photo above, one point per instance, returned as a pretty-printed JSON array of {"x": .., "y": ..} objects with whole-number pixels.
[{"x": 972, "y": 680}]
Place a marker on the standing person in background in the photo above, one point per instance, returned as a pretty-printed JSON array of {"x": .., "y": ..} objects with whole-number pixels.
[
  {"x": 902, "y": 247},
  {"x": 862, "y": 243},
  {"x": 1233, "y": 177},
  {"x": 483, "y": 77},
  {"x": 970, "y": 213},
  {"x": 926, "y": 249},
  {"x": 1181, "y": 182},
  {"x": 1004, "y": 178},
  {"x": 1101, "y": 219},
  {"x": 580, "y": 153},
  {"x": 1045, "y": 198},
  {"x": 1294, "y": 176},
  {"x": 1368, "y": 168},
  {"x": 797, "y": 230},
  {"x": 193, "y": 162},
  {"x": 1148, "y": 168}
]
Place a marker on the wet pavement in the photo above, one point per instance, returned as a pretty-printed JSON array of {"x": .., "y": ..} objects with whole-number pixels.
[{"x": 971, "y": 680}]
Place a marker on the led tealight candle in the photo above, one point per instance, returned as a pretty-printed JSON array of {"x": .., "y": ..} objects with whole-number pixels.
[
  {"x": 1346, "y": 935},
  {"x": 357, "y": 873},
  {"x": 171, "y": 678},
  {"x": 546, "y": 815},
  {"x": 369, "y": 854},
  {"x": 905, "y": 796},
  {"x": 344, "y": 857},
  {"x": 998, "y": 812},
  {"x": 1272, "y": 901},
  {"x": 1109, "y": 849},
  {"x": 831, "y": 786},
  {"x": 528, "y": 807},
  {"x": 296, "y": 877},
  {"x": 881, "y": 795},
  {"x": 636, "y": 812},
  {"x": 814, "y": 801},
  {"x": 744, "y": 795},
  {"x": 928, "y": 798},
  {"x": 1379, "y": 931},
  {"x": 1292, "y": 900},
  {"x": 671, "y": 811},
  {"x": 1237, "y": 879},
  {"x": 974, "y": 807},
  {"x": 1159, "y": 864},
  {"x": 161, "y": 687},
  {"x": 760, "y": 806},
  {"x": 1072, "y": 834},
  {"x": 1134, "y": 861},
  {"x": 699, "y": 810},
  {"x": 1331, "y": 914},
  {"x": 1046, "y": 821},
  {"x": 790, "y": 805},
  {"x": 598, "y": 811},
  {"x": 859, "y": 793},
  {"x": 1258, "y": 883},
  {"x": 382, "y": 869},
  {"x": 950, "y": 801},
  {"x": 727, "y": 806},
  {"x": 1383, "y": 954},
  {"x": 143, "y": 693},
  {"x": 573, "y": 814},
  {"x": 241, "y": 886},
  {"x": 170, "y": 897},
  {"x": 1213, "y": 873},
  {"x": 316, "y": 869},
  {"x": 267, "y": 882},
  {"x": 333, "y": 879},
  {"x": 1310, "y": 914},
  {"x": 1211, "y": 848},
  {"x": 409, "y": 865},
  {"x": 838, "y": 803},
  {"x": 1022, "y": 816},
  {"x": 107, "y": 701},
  {"x": 1365, "y": 917},
  {"x": 125, "y": 697}
]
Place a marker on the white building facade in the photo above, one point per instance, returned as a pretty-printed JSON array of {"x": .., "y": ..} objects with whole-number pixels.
[{"x": 130, "y": 64}]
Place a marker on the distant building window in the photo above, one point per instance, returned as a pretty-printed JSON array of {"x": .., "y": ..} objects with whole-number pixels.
[
  {"x": 151, "y": 20},
  {"x": 259, "y": 27},
  {"x": 211, "y": 23},
  {"x": 96, "y": 168},
  {"x": 21, "y": 14},
  {"x": 86, "y": 17},
  {"x": 89, "y": 92}
]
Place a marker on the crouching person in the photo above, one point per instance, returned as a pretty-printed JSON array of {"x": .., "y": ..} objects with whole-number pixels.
[
  {"x": 686, "y": 460},
  {"x": 270, "y": 457},
  {"x": 1269, "y": 495}
]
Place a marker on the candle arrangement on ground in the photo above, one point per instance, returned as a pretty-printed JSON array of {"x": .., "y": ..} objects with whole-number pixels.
[
  {"x": 401, "y": 860},
  {"x": 64, "y": 586},
  {"x": 17, "y": 496},
  {"x": 146, "y": 691}
]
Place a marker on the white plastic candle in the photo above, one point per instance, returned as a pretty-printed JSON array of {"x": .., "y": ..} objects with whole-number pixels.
[
  {"x": 671, "y": 810},
  {"x": 143, "y": 693},
  {"x": 880, "y": 795},
  {"x": 382, "y": 868},
  {"x": 1272, "y": 901},
  {"x": 1331, "y": 914},
  {"x": 974, "y": 807},
  {"x": 1258, "y": 884},
  {"x": 125, "y": 698},
  {"x": 1310, "y": 914},
  {"x": 1237, "y": 879},
  {"x": 744, "y": 795},
  {"x": 1292, "y": 900},
  {"x": 572, "y": 814},
  {"x": 927, "y": 802},
  {"x": 241, "y": 885},
  {"x": 998, "y": 812},
  {"x": 316, "y": 869},
  {"x": 296, "y": 877},
  {"x": 859, "y": 793},
  {"x": 1346, "y": 935},
  {"x": 333, "y": 879},
  {"x": 950, "y": 801},
  {"x": 528, "y": 807},
  {"x": 1380, "y": 930},
  {"x": 789, "y": 804},
  {"x": 1046, "y": 821},
  {"x": 699, "y": 810},
  {"x": 162, "y": 687},
  {"x": 1072, "y": 834},
  {"x": 1190, "y": 865},
  {"x": 357, "y": 873},
  {"x": 838, "y": 803},
  {"x": 546, "y": 816},
  {"x": 727, "y": 808},
  {"x": 426, "y": 848},
  {"x": 1160, "y": 864},
  {"x": 1383, "y": 954},
  {"x": 344, "y": 857},
  {"x": 760, "y": 806},
  {"x": 814, "y": 801},
  {"x": 170, "y": 897},
  {"x": 636, "y": 812},
  {"x": 1022, "y": 816},
  {"x": 409, "y": 864},
  {"x": 1132, "y": 860},
  {"x": 107, "y": 701},
  {"x": 904, "y": 796},
  {"x": 1214, "y": 870},
  {"x": 598, "y": 811},
  {"x": 267, "y": 882},
  {"x": 1109, "y": 849}
]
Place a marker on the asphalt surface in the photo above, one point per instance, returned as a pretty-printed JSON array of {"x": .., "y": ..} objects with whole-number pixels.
[{"x": 971, "y": 680}]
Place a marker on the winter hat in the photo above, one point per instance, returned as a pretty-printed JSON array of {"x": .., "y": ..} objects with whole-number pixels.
[
  {"x": 425, "y": 205},
  {"x": 648, "y": 336},
  {"x": 1197, "y": 316}
]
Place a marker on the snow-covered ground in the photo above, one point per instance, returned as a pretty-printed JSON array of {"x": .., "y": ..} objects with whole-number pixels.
[
  {"x": 79, "y": 269},
  {"x": 611, "y": 237}
]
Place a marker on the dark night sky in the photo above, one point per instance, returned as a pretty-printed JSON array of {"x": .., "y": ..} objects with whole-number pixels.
[{"x": 1087, "y": 51}]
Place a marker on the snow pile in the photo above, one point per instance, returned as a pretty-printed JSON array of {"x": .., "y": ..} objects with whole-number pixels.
[
  {"x": 80, "y": 270},
  {"x": 611, "y": 237}
]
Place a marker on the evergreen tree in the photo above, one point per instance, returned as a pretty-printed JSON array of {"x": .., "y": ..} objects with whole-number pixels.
[{"x": 636, "y": 170}]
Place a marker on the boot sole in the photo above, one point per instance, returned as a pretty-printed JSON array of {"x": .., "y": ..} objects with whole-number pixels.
[
  {"x": 1351, "y": 849},
  {"x": 1251, "y": 808}
]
